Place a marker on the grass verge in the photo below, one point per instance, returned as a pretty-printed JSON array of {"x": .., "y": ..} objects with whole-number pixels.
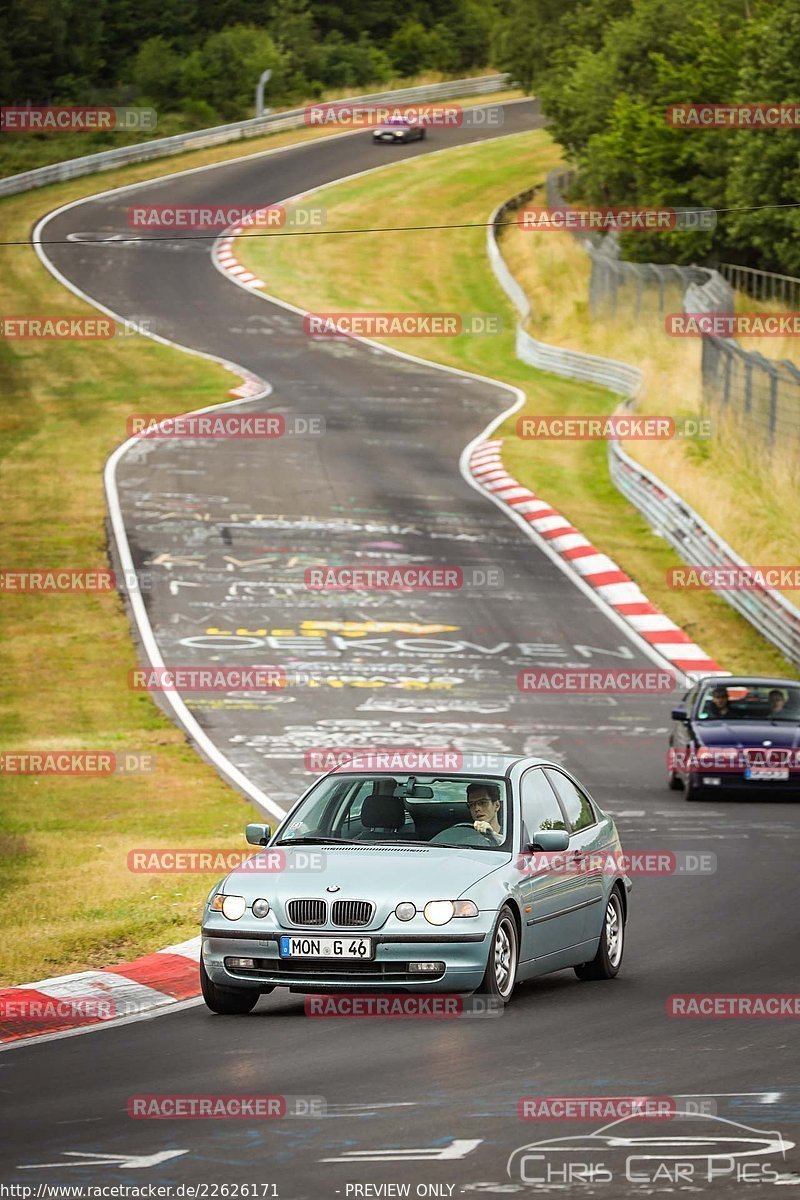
[{"x": 446, "y": 270}]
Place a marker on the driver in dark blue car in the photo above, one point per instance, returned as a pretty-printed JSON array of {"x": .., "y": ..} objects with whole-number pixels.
[{"x": 483, "y": 801}]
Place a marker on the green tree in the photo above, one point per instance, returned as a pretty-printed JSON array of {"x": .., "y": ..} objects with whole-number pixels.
[
  {"x": 409, "y": 48},
  {"x": 225, "y": 70},
  {"x": 157, "y": 70},
  {"x": 766, "y": 164}
]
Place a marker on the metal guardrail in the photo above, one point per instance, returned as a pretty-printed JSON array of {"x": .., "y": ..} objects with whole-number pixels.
[
  {"x": 105, "y": 160},
  {"x": 671, "y": 517},
  {"x": 760, "y": 394},
  {"x": 618, "y": 377},
  {"x": 697, "y": 543},
  {"x": 762, "y": 285}
]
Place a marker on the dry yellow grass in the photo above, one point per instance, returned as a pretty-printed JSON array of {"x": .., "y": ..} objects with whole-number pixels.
[{"x": 751, "y": 498}]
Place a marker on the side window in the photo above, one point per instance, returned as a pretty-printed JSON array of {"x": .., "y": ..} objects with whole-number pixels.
[
  {"x": 539, "y": 805},
  {"x": 577, "y": 804}
]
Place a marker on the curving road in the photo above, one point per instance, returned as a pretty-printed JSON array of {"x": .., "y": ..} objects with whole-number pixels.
[{"x": 227, "y": 530}]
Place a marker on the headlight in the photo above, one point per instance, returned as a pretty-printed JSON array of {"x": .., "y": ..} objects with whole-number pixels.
[
  {"x": 439, "y": 912},
  {"x": 260, "y": 908},
  {"x": 405, "y": 911},
  {"x": 232, "y": 907}
]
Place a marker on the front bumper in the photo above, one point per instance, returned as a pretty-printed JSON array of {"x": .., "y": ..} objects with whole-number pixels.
[
  {"x": 464, "y": 955},
  {"x": 734, "y": 783}
]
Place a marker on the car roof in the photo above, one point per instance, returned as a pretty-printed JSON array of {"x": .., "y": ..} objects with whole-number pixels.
[
  {"x": 470, "y": 765},
  {"x": 753, "y": 680}
]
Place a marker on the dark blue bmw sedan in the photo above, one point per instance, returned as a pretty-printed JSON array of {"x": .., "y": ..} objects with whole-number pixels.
[{"x": 737, "y": 736}]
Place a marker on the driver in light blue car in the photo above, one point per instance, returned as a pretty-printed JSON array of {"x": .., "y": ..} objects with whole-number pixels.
[{"x": 483, "y": 801}]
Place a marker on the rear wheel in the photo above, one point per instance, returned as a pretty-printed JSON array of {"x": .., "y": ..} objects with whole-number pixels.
[
  {"x": 226, "y": 1001},
  {"x": 501, "y": 969},
  {"x": 608, "y": 960}
]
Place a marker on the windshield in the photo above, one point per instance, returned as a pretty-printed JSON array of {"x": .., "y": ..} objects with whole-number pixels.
[
  {"x": 750, "y": 702},
  {"x": 438, "y": 810}
]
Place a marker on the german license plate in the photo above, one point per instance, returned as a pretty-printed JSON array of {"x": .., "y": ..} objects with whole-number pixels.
[
  {"x": 325, "y": 947},
  {"x": 767, "y": 774}
]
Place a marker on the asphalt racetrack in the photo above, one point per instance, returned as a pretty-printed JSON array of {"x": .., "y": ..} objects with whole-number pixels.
[{"x": 227, "y": 528}]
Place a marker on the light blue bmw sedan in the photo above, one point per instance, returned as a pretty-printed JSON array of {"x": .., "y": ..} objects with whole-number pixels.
[{"x": 495, "y": 870}]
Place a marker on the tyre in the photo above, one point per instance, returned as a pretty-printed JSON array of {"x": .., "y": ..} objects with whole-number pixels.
[
  {"x": 422, "y": 135},
  {"x": 608, "y": 960},
  {"x": 690, "y": 789},
  {"x": 501, "y": 969},
  {"x": 674, "y": 781},
  {"x": 226, "y": 1001}
]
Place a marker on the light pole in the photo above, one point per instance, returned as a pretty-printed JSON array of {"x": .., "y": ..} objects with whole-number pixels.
[{"x": 263, "y": 80}]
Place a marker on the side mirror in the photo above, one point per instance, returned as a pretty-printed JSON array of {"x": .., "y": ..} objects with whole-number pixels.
[
  {"x": 680, "y": 714},
  {"x": 550, "y": 840},
  {"x": 258, "y": 835}
]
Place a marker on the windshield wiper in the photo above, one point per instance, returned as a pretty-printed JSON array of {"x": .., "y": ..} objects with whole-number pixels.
[
  {"x": 315, "y": 841},
  {"x": 396, "y": 842},
  {"x": 462, "y": 846}
]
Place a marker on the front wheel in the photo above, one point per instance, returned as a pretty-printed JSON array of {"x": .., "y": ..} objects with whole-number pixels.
[
  {"x": 226, "y": 1001},
  {"x": 608, "y": 960},
  {"x": 501, "y": 969},
  {"x": 690, "y": 789},
  {"x": 674, "y": 781}
]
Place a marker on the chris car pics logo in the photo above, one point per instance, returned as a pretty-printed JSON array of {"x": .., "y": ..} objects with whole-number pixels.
[{"x": 698, "y": 1148}]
